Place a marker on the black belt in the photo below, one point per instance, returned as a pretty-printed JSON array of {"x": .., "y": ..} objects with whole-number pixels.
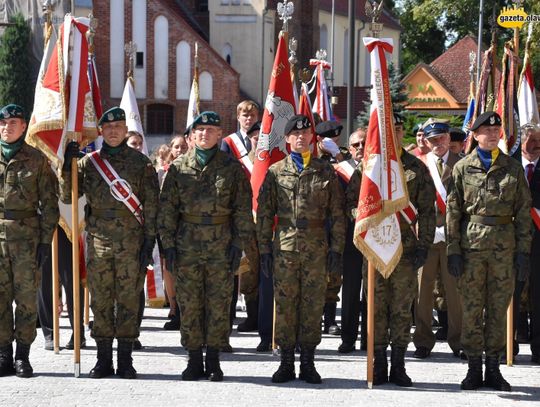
[
  {"x": 301, "y": 223},
  {"x": 489, "y": 220},
  {"x": 206, "y": 220},
  {"x": 17, "y": 215},
  {"x": 110, "y": 213}
]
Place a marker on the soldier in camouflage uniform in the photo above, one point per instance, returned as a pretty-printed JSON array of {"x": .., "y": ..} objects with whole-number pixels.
[
  {"x": 394, "y": 296},
  {"x": 119, "y": 245},
  {"x": 488, "y": 228},
  {"x": 304, "y": 193},
  {"x": 205, "y": 215},
  {"x": 328, "y": 134},
  {"x": 28, "y": 186}
]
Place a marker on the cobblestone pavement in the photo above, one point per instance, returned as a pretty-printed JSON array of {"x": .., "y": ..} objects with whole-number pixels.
[{"x": 247, "y": 378}]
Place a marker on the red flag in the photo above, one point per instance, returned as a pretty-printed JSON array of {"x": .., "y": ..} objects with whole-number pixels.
[
  {"x": 321, "y": 106},
  {"x": 304, "y": 107},
  {"x": 278, "y": 109},
  {"x": 383, "y": 191}
]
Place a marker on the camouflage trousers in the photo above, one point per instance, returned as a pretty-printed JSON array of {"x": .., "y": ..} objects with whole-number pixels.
[
  {"x": 19, "y": 281},
  {"x": 394, "y": 297},
  {"x": 299, "y": 289},
  {"x": 115, "y": 282},
  {"x": 204, "y": 289},
  {"x": 486, "y": 287},
  {"x": 249, "y": 281},
  {"x": 333, "y": 286}
]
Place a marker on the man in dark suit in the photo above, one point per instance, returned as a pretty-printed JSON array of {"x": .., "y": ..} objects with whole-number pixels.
[
  {"x": 530, "y": 153},
  {"x": 440, "y": 161}
]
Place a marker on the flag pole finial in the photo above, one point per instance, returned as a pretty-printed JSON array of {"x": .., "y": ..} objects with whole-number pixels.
[
  {"x": 373, "y": 12},
  {"x": 285, "y": 11},
  {"x": 131, "y": 49}
]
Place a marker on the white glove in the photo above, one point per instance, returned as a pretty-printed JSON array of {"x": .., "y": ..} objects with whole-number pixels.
[
  {"x": 439, "y": 234},
  {"x": 330, "y": 146}
]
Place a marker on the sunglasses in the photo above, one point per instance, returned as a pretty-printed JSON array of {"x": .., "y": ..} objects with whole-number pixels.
[{"x": 355, "y": 145}]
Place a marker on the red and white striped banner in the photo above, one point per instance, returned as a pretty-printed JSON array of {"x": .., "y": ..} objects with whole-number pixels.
[
  {"x": 344, "y": 170},
  {"x": 535, "y": 213},
  {"x": 321, "y": 105},
  {"x": 440, "y": 190},
  {"x": 240, "y": 152}
]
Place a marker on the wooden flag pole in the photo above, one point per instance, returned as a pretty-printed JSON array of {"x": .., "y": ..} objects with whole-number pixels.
[
  {"x": 370, "y": 322},
  {"x": 55, "y": 292},
  {"x": 76, "y": 275}
]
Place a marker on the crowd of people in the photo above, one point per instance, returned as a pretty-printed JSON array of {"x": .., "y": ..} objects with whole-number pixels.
[{"x": 467, "y": 251}]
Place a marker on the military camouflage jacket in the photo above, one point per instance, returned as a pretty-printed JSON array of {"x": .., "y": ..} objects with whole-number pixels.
[
  {"x": 219, "y": 189},
  {"x": 421, "y": 194},
  {"x": 28, "y": 184},
  {"x": 137, "y": 170},
  {"x": 500, "y": 191},
  {"x": 314, "y": 195}
]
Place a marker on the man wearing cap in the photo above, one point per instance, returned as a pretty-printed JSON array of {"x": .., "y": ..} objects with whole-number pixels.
[
  {"x": 328, "y": 134},
  {"x": 121, "y": 189},
  {"x": 204, "y": 220},
  {"x": 351, "y": 306},
  {"x": 28, "y": 216},
  {"x": 488, "y": 243},
  {"x": 304, "y": 193},
  {"x": 394, "y": 296},
  {"x": 457, "y": 141},
  {"x": 439, "y": 161},
  {"x": 240, "y": 146},
  {"x": 530, "y": 155}
]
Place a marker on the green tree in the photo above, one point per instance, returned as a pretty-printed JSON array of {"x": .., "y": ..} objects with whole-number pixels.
[
  {"x": 398, "y": 93},
  {"x": 15, "y": 74}
]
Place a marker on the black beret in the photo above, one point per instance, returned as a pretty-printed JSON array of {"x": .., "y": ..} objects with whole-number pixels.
[
  {"x": 488, "y": 118},
  {"x": 398, "y": 119},
  {"x": 297, "y": 122},
  {"x": 457, "y": 134},
  {"x": 417, "y": 127},
  {"x": 256, "y": 126},
  {"x": 329, "y": 128}
]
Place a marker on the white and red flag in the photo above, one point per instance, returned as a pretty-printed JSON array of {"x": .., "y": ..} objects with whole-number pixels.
[
  {"x": 321, "y": 105},
  {"x": 527, "y": 102},
  {"x": 133, "y": 118},
  {"x": 383, "y": 191},
  {"x": 278, "y": 109}
]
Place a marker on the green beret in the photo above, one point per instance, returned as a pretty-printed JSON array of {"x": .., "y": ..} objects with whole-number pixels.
[
  {"x": 207, "y": 119},
  {"x": 12, "y": 112},
  {"x": 114, "y": 114}
]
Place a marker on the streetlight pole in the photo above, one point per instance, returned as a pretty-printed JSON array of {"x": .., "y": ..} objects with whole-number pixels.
[
  {"x": 350, "y": 82},
  {"x": 479, "y": 53}
]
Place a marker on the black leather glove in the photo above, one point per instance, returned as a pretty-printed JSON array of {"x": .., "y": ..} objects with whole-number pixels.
[
  {"x": 43, "y": 253},
  {"x": 333, "y": 262},
  {"x": 72, "y": 151},
  {"x": 267, "y": 264},
  {"x": 455, "y": 265},
  {"x": 521, "y": 266},
  {"x": 234, "y": 254},
  {"x": 145, "y": 254},
  {"x": 420, "y": 256},
  {"x": 170, "y": 258}
]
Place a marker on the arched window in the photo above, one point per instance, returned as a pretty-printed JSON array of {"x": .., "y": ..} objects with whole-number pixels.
[
  {"x": 323, "y": 37},
  {"x": 159, "y": 119},
  {"x": 183, "y": 70},
  {"x": 161, "y": 58},
  {"x": 227, "y": 53},
  {"x": 205, "y": 85}
]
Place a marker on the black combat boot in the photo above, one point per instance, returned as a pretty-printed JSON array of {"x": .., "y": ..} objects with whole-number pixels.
[
  {"x": 473, "y": 380},
  {"x": 398, "y": 375},
  {"x": 174, "y": 323},
  {"x": 251, "y": 323},
  {"x": 125, "y": 362},
  {"x": 6, "y": 360},
  {"x": 493, "y": 377},
  {"x": 104, "y": 366},
  {"x": 195, "y": 369},
  {"x": 330, "y": 325},
  {"x": 213, "y": 369},
  {"x": 308, "y": 373},
  {"x": 22, "y": 364},
  {"x": 380, "y": 367},
  {"x": 285, "y": 372}
]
